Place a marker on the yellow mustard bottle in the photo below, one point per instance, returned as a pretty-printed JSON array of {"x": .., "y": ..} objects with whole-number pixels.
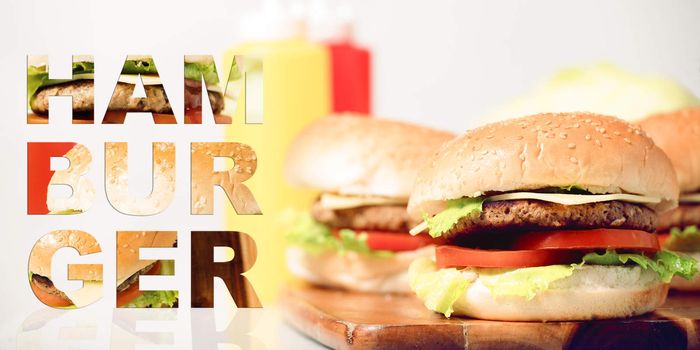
[{"x": 296, "y": 92}]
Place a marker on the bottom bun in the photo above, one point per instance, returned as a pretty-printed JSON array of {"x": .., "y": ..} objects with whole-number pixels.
[
  {"x": 356, "y": 272},
  {"x": 680, "y": 283},
  {"x": 591, "y": 292}
]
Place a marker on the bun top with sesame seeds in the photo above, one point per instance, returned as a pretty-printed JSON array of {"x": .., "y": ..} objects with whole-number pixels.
[{"x": 597, "y": 153}]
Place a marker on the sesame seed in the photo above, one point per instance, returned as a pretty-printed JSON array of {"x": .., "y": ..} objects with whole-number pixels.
[
  {"x": 571, "y": 146},
  {"x": 577, "y": 125},
  {"x": 597, "y": 142},
  {"x": 627, "y": 140},
  {"x": 573, "y": 160},
  {"x": 616, "y": 133},
  {"x": 484, "y": 152},
  {"x": 562, "y": 135},
  {"x": 588, "y": 137}
]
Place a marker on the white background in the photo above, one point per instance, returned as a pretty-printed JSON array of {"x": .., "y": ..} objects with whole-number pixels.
[{"x": 441, "y": 63}]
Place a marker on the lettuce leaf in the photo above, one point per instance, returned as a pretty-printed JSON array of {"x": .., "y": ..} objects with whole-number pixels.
[
  {"x": 315, "y": 237},
  {"x": 38, "y": 77},
  {"x": 448, "y": 218},
  {"x": 439, "y": 289},
  {"x": 196, "y": 70},
  {"x": 154, "y": 299},
  {"x": 686, "y": 240},
  {"x": 525, "y": 282},
  {"x": 665, "y": 263}
]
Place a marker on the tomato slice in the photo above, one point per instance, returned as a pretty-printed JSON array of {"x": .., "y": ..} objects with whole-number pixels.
[
  {"x": 453, "y": 256},
  {"x": 396, "y": 241},
  {"x": 589, "y": 239},
  {"x": 49, "y": 299},
  {"x": 663, "y": 237},
  {"x": 132, "y": 292}
]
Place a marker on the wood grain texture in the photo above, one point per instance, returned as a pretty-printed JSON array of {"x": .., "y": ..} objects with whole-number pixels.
[{"x": 347, "y": 320}]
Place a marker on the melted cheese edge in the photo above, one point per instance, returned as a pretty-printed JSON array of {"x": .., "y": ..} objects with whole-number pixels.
[{"x": 90, "y": 293}]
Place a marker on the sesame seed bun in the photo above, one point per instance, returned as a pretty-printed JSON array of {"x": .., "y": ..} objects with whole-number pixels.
[
  {"x": 356, "y": 155},
  {"x": 678, "y": 134},
  {"x": 600, "y": 154}
]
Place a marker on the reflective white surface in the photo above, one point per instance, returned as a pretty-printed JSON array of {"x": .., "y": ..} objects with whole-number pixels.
[{"x": 52, "y": 329}]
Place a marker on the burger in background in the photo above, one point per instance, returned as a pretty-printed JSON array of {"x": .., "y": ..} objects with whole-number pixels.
[
  {"x": 678, "y": 134},
  {"x": 356, "y": 234},
  {"x": 547, "y": 217},
  {"x": 129, "y": 268}
]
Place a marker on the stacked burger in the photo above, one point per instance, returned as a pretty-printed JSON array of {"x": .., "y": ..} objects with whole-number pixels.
[
  {"x": 546, "y": 217},
  {"x": 677, "y": 133},
  {"x": 356, "y": 234}
]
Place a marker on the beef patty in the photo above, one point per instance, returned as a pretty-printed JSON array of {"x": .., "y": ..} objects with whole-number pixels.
[
  {"x": 526, "y": 214},
  {"x": 371, "y": 217},
  {"x": 684, "y": 215},
  {"x": 157, "y": 102},
  {"x": 134, "y": 278}
]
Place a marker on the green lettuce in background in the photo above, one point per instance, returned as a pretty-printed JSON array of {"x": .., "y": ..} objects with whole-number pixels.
[
  {"x": 602, "y": 88},
  {"x": 315, "y": 237},
  {"x": 439, "y": 289},
  {"x": 686, "y": 240}
]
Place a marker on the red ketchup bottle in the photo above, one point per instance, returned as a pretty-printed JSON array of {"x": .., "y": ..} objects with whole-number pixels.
[{"x": 330, "y": 22}]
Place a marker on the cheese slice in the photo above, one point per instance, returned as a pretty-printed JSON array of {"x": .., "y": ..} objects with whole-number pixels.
[
  {"x": 334, "y": 201},
  {"x": 690, "y": 198},
  {"x": 575, "y": 199},
  {"x": 90, "y": 293},
  {"x": 561, "y": 198}
]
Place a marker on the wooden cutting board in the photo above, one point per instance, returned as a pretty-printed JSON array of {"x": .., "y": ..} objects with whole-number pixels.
[{"x": 347, "y": 320}]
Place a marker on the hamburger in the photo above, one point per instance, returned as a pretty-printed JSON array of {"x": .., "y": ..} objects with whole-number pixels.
[
  {"x": 546, "y": 217},
  {"x": 81, "y": 85},
  {"x": 677, "y": 133},
  {"x": 355, "y": 236},
  {"x": 129, "y": 268}
]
